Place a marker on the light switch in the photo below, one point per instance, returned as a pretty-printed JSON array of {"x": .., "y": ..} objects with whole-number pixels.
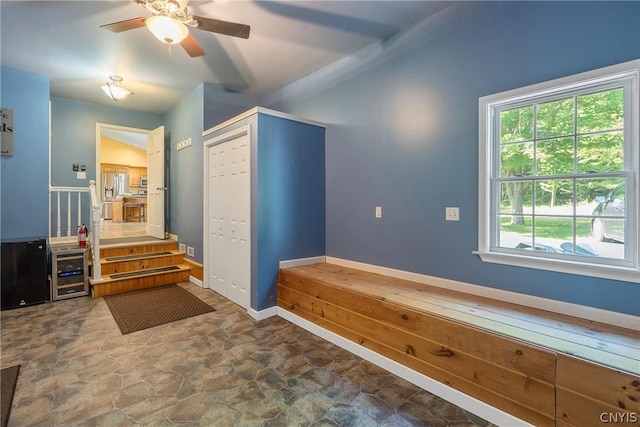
[{"x": 81, "y": 175}]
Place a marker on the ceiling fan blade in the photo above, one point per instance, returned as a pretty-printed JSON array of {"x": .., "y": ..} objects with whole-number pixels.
[
  {"x": 223, "y": 27},
  {"x": 191, "y": 45},
  {"x": 129, "y": 24}
]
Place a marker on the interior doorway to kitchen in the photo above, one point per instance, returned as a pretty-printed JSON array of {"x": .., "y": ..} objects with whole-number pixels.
[{"x": 121, "y": 180}]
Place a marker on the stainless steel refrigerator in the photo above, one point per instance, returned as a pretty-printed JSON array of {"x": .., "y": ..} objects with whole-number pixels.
[{"x": 113, "y": 185}]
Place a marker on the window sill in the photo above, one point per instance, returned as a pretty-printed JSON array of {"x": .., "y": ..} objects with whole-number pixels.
[{"x": 584, "y": 269}]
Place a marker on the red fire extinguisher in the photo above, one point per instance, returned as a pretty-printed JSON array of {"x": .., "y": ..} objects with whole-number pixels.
[{"x": 82, "y": 236}]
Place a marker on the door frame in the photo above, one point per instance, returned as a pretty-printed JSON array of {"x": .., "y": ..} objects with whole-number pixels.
[
  {"x": 227, "y": 136},
  {"x": 99, "y": 128}
]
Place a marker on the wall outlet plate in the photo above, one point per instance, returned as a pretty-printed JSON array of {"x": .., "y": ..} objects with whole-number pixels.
[
  {"x": 378, "y": 211},
  {"x": 452, "y": 214},
  {"x": 81, "y": 175}
]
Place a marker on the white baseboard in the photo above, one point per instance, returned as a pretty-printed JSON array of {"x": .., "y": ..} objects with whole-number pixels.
[
  {"x": 302, "y": 261},
  {"x": 262, "y": 314},
  {"x": 595, "y": 314},
  {"x": 471, "y": 404},
  {"x": 173, "y": 237},
  {"x": 196, "y": 281}
]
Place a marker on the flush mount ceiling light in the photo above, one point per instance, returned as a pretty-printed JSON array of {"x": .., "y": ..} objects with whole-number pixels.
[
  {"x": 114, "y": 90},
  {"x": 167, "y": 29}
]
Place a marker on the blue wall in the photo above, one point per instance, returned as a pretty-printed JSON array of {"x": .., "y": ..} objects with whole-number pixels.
[
  {"x": 73, "y": 140},
  {"x": 206, "y": 106},
  {"x": 403, "y": 134},
  {"x": 184, "y": 168},
  {"x": 290, "y": 199},
  {"x": 24, "y": 177}
]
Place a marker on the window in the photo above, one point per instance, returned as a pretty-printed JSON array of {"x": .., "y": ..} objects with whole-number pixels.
[{"x": 559, "y": 175}]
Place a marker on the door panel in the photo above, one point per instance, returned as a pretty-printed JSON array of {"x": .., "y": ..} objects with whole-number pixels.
[
  {"x": 217, "y": 226},
  {"x": 229, "y": 210},
  {"x": 155, "y": 184}
]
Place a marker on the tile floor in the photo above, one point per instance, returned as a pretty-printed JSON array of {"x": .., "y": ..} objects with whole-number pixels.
[{"x": 217, "y": 369}]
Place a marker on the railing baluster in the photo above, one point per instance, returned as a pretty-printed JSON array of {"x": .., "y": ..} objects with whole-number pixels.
[
  {"x": 79, "y": 210},
  {"x": 59, "y": 230},
  {"x": 68, "y": 213}
]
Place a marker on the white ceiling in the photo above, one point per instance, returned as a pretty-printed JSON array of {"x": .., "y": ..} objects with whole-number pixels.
[{"x": 289, "y": 40}]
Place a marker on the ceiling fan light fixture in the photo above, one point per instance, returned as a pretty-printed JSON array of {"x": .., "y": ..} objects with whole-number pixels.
[
  {"x": 167, "y": 29},
  {"x": 114, "y": 90}
]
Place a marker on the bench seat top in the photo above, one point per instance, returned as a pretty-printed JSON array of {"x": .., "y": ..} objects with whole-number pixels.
[{"x": 601, "y": 343}]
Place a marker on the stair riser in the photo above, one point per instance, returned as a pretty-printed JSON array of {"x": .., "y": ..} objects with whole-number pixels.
[
  {"x": 140, "y": 264},
  {"x": 136, "y": 283},
  {"x": 134, "y": 250}
]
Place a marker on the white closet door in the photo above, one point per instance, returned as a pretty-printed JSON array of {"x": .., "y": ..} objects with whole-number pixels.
[
  {"x": 217, "y": 227},
  {"x": 239, "y": 212},
  {"x": 229, "y": 220}
]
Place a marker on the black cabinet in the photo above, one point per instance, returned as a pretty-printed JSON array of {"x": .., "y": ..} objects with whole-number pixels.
[{"x": 24, "y": 273}]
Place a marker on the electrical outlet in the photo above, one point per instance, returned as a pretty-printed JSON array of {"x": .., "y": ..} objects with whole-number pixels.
[
  {"x": 81, "y": 175},
  {"x": 190, "y": 251},
  {"x": 378, "y": 211},
  {"x": 452, "y": 214},
  {"x": 182, "y": 247}
]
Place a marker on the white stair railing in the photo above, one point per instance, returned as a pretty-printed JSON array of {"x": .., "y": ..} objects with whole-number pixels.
[
  {"x": 65, "y": 209},
  {"x": 66, "y": 214},
  {"x": 95, "y": 235}
]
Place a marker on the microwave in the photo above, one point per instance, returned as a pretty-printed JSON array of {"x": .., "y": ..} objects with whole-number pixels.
[{"x": 143, "y": 182}]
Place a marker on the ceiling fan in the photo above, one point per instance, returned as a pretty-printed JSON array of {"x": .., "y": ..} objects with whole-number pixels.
[{"x": 170, "y": 21}]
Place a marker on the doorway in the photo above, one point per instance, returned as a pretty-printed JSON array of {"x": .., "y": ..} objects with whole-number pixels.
[{"x": 123, "y": 149}]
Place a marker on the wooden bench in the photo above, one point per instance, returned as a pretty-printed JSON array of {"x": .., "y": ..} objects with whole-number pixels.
[{"x": 542, "y": 367}]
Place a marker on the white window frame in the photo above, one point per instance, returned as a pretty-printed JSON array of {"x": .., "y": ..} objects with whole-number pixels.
[{"x": 629, "y": 269}]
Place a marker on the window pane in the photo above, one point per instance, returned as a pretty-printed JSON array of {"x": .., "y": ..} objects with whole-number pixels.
[
  {"x": 555, "y": 118},
  {"x": 553, "y": 231},
  {"x": 554, "y": 197},
  {"x": 516, "y": 124},
  {"x": 554, "y": 157},
  {"x": 604, "y": 201},
  {"x": 589, "y": 191},
  {"x": 515, "y": 199},
  {"x": 516, "y": 159},
  {"x": 601, "y": 111},
  {"x": 602, "y": 152},
  {"x": 515, "y": 235}
]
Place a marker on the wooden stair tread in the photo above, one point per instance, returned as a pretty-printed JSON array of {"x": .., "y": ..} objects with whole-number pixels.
[
  {"x": 139, "y": 256},
  {"x": 143, "y": 273}
]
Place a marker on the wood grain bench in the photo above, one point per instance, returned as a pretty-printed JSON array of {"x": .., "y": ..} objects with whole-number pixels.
[{"x": 542, "y": 367}]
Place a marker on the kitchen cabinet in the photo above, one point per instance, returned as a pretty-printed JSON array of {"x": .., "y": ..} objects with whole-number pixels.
[
  {"x": 117, "y": 210},
  {"x": 122, "y": 169},
  {"x": 134, "y": 177},
  {"x": 107, "y": 168},
  {"x": 264, "y": 178},
  {"x": 143, "y": 172}
]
